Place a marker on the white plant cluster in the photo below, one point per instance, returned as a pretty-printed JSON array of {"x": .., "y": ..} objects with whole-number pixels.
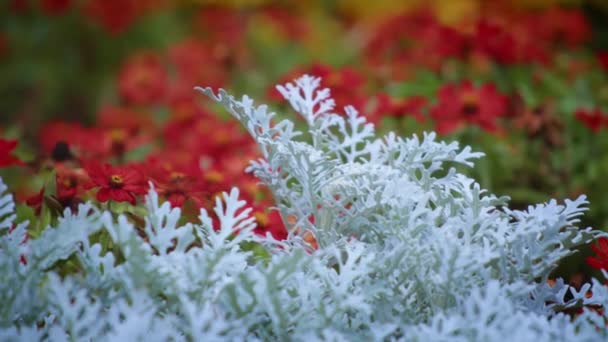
[{"x": 409, "y": 249}]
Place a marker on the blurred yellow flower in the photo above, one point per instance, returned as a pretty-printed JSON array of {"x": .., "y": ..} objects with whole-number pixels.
[
  {"x": 229, "y": 3},
  {"x": 546, "y": 3},
  {"x": 377, "y": 9},
  {"x": 453, "y": 12}
]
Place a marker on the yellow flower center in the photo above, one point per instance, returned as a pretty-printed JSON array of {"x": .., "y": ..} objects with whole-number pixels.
[
  {"x": 470, "y": 102},
  {"x": 261, "y": 218},
  {"x": 470, "y": 98},
  {"x": 118, "y": 135},
  {"x": 142, "y": 77},
  {"x": 177, "y": 176},
  {"x": 116, "y": 181},
  {"x": 69, "y": 182},
  {"x": 214, "y": 176}
]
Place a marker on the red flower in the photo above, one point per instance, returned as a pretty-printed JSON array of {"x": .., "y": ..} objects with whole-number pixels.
[
  {"x": 19, "y": 6},
  {"x": 286, "y": 22},
  {"x": 222, "y": 24},
  {"x": 124, "y": 118},
  {"x": 415, "y": 38},
  {"x": 187, "y": 56},
  {"x": 178, "y": 185},
  {"x": 601, "y": 249},
  {"x": 224, "y": 31},
  {"x": 346, "y": 85},
  {"x": 123, "y": 130},
  {"x": 35, "y": 201},
  {"x": 83, "y": 142},
  {"x": 70, "y": 182},
  {"x": 196, "y": 63},
  {"x": 114, "y": 15},
  {"x": 387, "y": 105},
  {"x": 602, "y": 58},
  {"x": 143, "y": 79},
  {"x": 495, "y": 42},
  {"x": 465, "y": 103},
  {"x": 6, "y": 148},
  {"x": 203, "y": 135},
  {"x": 592, "y": 119},
  {"x": 269, "y": 222},
  {"x": 567, "y": 26},
  {"x": 120, "y": 184},
  {"x": 55, "y": 7}
]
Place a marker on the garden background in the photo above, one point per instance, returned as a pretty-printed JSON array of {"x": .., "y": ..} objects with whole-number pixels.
[{"x": 103, "y": 80}]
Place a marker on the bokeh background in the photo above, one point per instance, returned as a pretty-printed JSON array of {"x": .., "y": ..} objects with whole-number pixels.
[{"x": 524, "y": 81}]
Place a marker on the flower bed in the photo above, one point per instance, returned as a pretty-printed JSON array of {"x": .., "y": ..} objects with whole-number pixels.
[
  {"x": 120, "y": 214},
  {"x": 404, "y": 247}
]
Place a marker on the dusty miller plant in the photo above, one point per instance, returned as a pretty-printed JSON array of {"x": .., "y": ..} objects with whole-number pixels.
[{"x": 409, "y": 249}]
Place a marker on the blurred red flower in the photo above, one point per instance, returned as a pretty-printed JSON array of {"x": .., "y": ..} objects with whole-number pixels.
[
  {"x": 592, "y": 119},
  {"x": 270, "y": 222},
  {"x": 464, "y": 103},
  {"x": 600, "y": 261},
  {"x": 389, "y": 106},
  {"x": 177, "y": 181},
  {"x": 346, "y": 84},
  {"x": 204, "y": 135},
  {"x": 55, "y": 7},
  {"x": 287, "y": 22},
  {"x": 143, "y": 79},
  {"x": 602, "y": 58},
  {"x": 177, "y": 187},
  {"x": 436, "y": 43},
  {"x": 123, "y": 130},
  {"x": 35, "y": 201},
  {"x": 224, "y": 30},
  {"x": 495, "y": 42},
  {"x": 195, "y": 63},
  {"x": 84, "y": 142},
  {"x": 120, "y": 184},
  {"x": 133, "y": 121},
  {"x": 562, "y": 26},
  {"x": 6, "y": 150},
  {"x": 414, "y": 38},
  {"x": 222, "y": 24},
  {"x": 19, "y": 6},
  {"x": 113, "y": 15},
  {"x": 70, "y": 182}
]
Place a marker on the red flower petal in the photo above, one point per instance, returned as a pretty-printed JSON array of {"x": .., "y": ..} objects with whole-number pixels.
[{"x": 103, "y": 195}]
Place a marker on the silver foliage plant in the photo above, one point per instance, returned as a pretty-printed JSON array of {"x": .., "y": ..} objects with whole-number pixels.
[{"x": 408, "y": 249}]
